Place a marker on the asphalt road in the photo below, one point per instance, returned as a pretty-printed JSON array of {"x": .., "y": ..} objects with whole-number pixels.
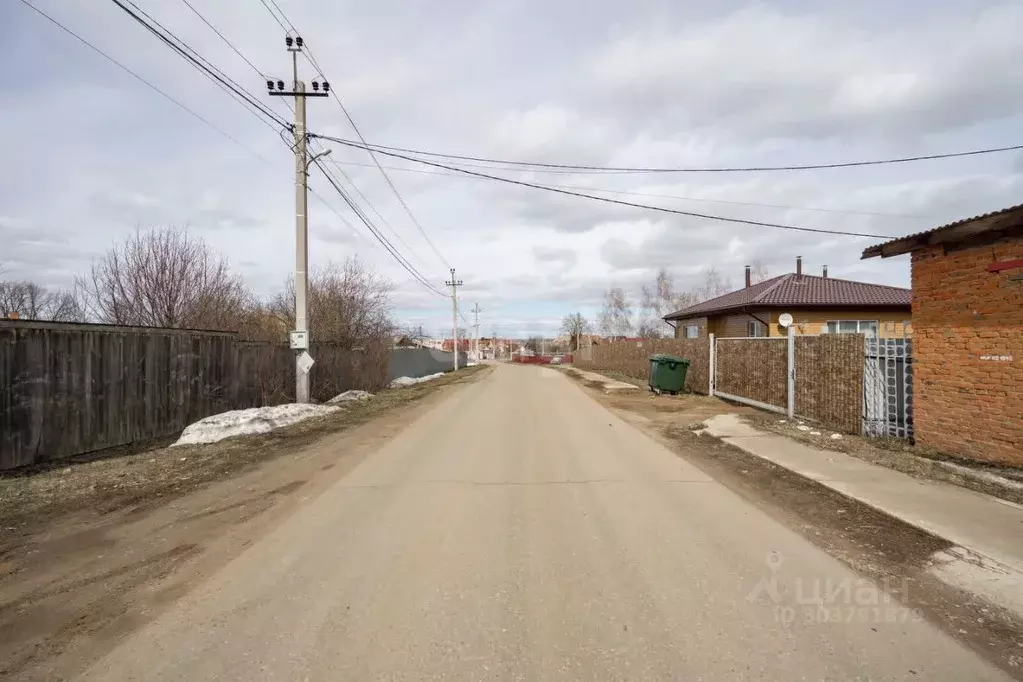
[{"x": 519, "y": 531}]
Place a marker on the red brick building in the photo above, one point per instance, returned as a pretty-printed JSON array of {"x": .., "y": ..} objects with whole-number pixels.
[{"x": 968, "y": 334}]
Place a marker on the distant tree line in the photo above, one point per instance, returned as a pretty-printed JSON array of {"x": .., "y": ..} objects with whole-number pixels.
[
  {"x": 618, "y": 317},
  {"x": 165, "y": 277}
]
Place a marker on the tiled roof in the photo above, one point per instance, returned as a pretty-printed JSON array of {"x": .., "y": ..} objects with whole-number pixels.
[
  {"x": 995, "y": 220},
  {"x": 793, "y": 290}
]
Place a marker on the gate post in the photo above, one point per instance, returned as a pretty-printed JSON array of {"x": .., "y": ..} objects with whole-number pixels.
[
  {"x": 792, "y": 372},
  {"x": 712, "y": 367}
]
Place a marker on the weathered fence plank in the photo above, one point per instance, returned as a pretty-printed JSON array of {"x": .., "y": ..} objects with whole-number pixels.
[{"x": 68, "y": 389}]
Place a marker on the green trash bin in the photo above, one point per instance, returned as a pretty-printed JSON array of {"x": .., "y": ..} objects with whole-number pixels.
[{"x": 667, "y": 373}]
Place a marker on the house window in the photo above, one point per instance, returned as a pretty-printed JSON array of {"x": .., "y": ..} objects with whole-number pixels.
[
  {"x": 756, "y": 328},
  {"x": 692, "y": 331},
  {"x": 868, "y": 327}
]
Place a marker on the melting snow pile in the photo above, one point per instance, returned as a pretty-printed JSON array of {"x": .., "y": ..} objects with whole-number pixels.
[
  {"x": 245, "y": 422},
  {"x": 353, "y": 396},
  {"x": 401, "y": 382}
]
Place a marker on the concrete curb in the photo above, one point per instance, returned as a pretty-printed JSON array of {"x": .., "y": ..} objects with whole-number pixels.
[{"x": 977, "y": 564}]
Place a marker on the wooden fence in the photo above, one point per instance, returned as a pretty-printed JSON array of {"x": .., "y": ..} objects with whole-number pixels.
[
  {"x": 632, "y": 358},
  {"x": 68, "y": 389}
]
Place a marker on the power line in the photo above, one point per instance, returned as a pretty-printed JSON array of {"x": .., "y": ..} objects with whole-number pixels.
[
  {"x": 140, "y": 78},
  {"x": 312, "y": 60},
  {"x": 619, "y": 202},
  {"x": 387, "y": 178},
  {"x": 418, "y": 276},
  {"x": 390, "y": 183},
  {"x": 199, "y": 62},
  {"x": 358, "y": 191},
  {"x": 536, "y": 166},
  {"x": 284, "y": 16},
  {"x": 222, "y": 37},
  {"x": 901, "y": 216},
  {"x": 276, "y": 18}
]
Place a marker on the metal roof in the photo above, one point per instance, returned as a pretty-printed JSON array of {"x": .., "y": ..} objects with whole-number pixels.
[
  {"x": 801, "y": 291},
  {"x": 994, "y": 221}
]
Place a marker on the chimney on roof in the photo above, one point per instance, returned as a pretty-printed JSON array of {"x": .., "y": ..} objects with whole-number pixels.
[
  {"x": 749, "y": 277},
  {"x": 825, "y": 271},
  {"x": 799, "y": 266}
]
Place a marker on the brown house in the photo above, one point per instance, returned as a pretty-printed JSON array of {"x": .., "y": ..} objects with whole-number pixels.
[
  {"x": 817, "y": 304},
  {"x": 968, "y": 334}
]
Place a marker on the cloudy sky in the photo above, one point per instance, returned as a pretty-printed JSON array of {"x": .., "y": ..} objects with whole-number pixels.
[{"x": 91, "y": 154}]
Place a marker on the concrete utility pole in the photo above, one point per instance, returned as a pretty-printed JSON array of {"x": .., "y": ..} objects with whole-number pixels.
[
  {"x": 300, "y": 335},
  {"x": 476, "y": 310},
  {"x": 454, "y": 284}
]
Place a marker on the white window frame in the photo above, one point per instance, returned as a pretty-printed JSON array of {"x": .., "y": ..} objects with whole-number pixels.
[
  {"x": 755, "y": 329},
  {"x": 692, "y": 331},
  {"x": 859, "y": 327}
]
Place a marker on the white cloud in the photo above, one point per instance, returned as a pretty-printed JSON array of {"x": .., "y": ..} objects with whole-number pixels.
[{"x": 92, "y": 154}]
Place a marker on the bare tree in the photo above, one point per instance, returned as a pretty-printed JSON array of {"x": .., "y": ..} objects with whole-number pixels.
[
  {"x": 411, "y": 335},
  {"x": 616, "y": 315},
  {"x": 574, "y": 326},
  {"x": 758, "y": 272},
  {"x": 32, "y": 301},
  {"x": 349, "y": 305},
  {"x": 659, "y": 300},
  {"x": 714, "y": 285},
  {"x": 650, "y": 329},
  {"x": 164, "y": 278}
]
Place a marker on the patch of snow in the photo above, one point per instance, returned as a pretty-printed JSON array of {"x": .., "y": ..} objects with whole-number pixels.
[
  {"x": 402, "y": 382},
  {"x": 471, "y": 364},
  {"x": 782, "y": 421},
  {"x": 251, "y": 421},
  {"x": 803, "y": 428},
  {"x": 815, "y": 433},
  {"x": 836, "y": 436},
  {"x": 350, "y": 397}
]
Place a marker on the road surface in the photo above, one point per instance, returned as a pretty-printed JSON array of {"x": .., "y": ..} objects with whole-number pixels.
[{"x": 520, "y": 531}]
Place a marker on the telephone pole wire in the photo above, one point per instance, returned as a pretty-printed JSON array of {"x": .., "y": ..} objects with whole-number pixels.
[
  {"x": 454, "y": 284},
  {"x": 300, "y": 335}
]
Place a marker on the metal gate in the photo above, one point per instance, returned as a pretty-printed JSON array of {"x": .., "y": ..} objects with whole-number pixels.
[{"x": 888, "y": 387}]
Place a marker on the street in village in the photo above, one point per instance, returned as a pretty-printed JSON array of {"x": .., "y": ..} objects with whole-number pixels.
[{"x": 518, "y": 528}]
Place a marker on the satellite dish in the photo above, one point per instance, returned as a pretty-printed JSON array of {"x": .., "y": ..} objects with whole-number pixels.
[{"x": 785, "y": 320}]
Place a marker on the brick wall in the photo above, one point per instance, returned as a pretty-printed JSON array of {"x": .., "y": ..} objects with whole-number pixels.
[
  {"x": 754, "y": 369},
  {"x": 968, "y": 351},
  {"x": 829, "y": 380},
  {"x": 633, "y": 358}
]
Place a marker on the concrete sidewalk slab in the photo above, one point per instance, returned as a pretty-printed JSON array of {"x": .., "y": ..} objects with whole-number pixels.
[{"x": 989, "y": 530}]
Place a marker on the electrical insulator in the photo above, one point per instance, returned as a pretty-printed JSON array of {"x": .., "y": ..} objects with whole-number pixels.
[
  {"x": 316, "y": 86},
  {"x": 298, "y": 41},
  {"x": 269, "y": 85},
  {"x": 326, "y": 86},
  {"x": 288, "y": 41},
  {"x": 280, "y": 85}
]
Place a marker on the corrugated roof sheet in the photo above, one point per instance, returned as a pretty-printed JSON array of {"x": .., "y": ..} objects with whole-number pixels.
[
  {"x": 801, "y": 291},
  {"x": 878, "y": 249}
]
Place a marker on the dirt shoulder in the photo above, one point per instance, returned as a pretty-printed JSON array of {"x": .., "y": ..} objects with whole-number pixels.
[
  {"x": 91, "y": 551},
  {"x": 893, "y": 554}
]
